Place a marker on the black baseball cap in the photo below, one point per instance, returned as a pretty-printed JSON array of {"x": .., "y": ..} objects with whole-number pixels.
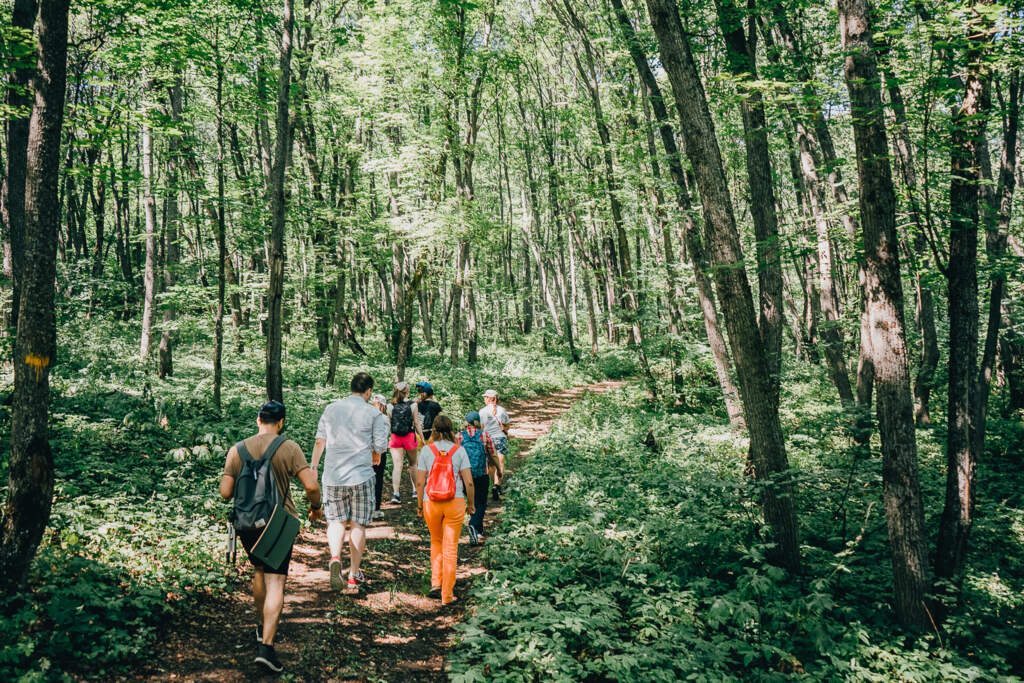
[{"x": 272, "y": 411}]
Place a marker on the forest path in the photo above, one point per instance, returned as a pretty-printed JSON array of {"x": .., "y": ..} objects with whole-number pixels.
[{"x": 390, "y": 630}]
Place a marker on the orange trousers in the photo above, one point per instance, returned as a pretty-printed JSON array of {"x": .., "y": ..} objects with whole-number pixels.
[{"x": 445, "y": 523}]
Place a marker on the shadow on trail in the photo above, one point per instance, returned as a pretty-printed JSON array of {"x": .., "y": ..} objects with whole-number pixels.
[{"x": 389, "y": 630}]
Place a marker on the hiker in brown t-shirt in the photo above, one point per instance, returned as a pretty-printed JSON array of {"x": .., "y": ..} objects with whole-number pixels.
[{"x": 288, "y": 462}]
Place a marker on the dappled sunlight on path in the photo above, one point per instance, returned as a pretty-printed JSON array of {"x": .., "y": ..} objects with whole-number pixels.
[{"x": 388, "y": 630}]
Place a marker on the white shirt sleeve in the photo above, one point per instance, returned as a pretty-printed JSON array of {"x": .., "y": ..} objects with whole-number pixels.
[{"x": 381, "y": 432}]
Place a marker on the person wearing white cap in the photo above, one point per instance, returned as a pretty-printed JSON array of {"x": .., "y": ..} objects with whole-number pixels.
[
  {"x": 405, "y": 428},
  {"x": 495, "y": 421}
]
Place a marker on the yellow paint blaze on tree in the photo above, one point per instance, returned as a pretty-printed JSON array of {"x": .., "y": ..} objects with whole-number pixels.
[{"x": 38, "y": 362}]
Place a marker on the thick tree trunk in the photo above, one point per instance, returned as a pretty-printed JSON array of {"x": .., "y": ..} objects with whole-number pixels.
[
  {"x": 968, "y": 129},
  {"x": 694, "y": 247},
  {"x": 149, "y": 275},
  {"x": 12, "y": 193},
  {"x": 30, "y": 470},
  {"x": 409, "y": 302},
  {"x": 282, "y": 146},
  {"x": 767, "y": 446},
  {"x": 883, "y": 292}
]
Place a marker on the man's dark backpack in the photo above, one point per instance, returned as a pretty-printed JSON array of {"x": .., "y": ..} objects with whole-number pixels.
[
  {"x": 401, "y": 418},
  {"x": 256, "y": 490}
]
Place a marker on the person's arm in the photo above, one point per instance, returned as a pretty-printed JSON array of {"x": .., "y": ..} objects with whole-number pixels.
[
  {"x": 318, "y": 450},
  {"x": 467, "y": 482},
  {"x": 313, "y": 495},
  {"x": 418, "y": 423},
  {"x": 504, "y": 425},
  {"x": 227, "y": 481},
  {"x": 379, "y": 433},
  {"x": 419, "y": 478}
]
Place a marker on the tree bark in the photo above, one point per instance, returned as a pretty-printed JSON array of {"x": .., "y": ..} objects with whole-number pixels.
[
  {"x": 767, "y": 446},
  {"x": 282, "y": 145},
  {"x": 968, "y": 129},
  {"x": 172, "y": 231},
  {"x": 30, "y": 473},
  {"x": 149, "y": 275},
  {"x": 409, "y": 303},
  {"x": 883, "y": 293},
  {"x": 12, "y": 193}
]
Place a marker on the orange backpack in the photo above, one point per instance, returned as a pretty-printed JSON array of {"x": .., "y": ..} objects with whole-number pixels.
[{"x": 441, "y": 480}]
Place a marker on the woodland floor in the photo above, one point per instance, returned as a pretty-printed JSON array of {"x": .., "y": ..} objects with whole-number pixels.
[{"x": 389, "y": 630}]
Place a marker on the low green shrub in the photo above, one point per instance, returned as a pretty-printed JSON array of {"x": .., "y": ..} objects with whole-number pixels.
[{"x": 621, "y": 561}]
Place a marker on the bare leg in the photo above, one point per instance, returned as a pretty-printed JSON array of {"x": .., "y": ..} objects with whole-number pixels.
[
  {"x": 397, "y": 457},
  {"x": 272, "y": 606},
  {"x": 335, "y": 537},
  {"x": 413, "y": 457},
  {"x": 356, "y": 544},
  {"x": 259, "y": 593}
]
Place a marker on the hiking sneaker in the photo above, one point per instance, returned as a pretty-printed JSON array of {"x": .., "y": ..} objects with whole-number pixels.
[
  {"x": 378, "y": 514},
  {"x": 474, "y": 537},
  {"x": 336, "y": 581},
  {"x": 396, "y": 499},
  {"x": 496, "y": 492},
  {"x": 435, "y": 592},
  {"x": 357, "y": 579},
  {"x": 266, "y": 656}
]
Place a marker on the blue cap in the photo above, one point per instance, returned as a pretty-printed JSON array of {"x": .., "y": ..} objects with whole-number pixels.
[
  {"x": 472, "y": 416},
  {"x": 425, "y": 387}
]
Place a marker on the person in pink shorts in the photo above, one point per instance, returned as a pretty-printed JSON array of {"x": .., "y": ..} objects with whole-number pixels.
[{"x": 405, "y": 428}]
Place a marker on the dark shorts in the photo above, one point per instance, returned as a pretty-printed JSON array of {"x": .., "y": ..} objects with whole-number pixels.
[{"x": 248, "y": 540}]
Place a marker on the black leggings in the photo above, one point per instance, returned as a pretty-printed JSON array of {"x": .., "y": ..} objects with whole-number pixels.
[{"x": 378, "y": 473}]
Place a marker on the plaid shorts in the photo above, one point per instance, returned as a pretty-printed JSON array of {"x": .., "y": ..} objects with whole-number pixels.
[{"x": 350, "y": 503}]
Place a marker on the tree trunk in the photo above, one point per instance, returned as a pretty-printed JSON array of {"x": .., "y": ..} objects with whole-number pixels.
[
  {"x": 409, "y": 303},
  {"x": 172, "y": 231},
  {"x": 30, "y": 472},
  {"x": 741, "y": 51},
  {"x": 968, "y": 128},
  {"x": 12, "y": 193},
  {"x": 282, "y": 145},
  {"x": 883, "y": 292},
  {"x": 222, "y": 248},
  {"x": 149, "y": 208},
  {"x": 767, "y": 446}
]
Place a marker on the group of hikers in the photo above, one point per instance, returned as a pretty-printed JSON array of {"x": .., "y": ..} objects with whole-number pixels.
[{"x": 451, "y": 470}]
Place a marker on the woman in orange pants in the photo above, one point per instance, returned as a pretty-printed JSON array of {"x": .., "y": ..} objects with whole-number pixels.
[{"x": 444, "y": 518}]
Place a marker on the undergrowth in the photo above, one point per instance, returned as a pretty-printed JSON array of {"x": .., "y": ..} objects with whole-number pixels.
[
  {"x": 137, "y": 530},
  {"x": 617, "y": 560}
]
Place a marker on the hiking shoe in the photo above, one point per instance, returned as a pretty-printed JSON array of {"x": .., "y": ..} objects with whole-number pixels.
[
  {"x": 474, "y": 537},
  {"x": 336, "y": 581},
  {"x": 496, "y": 492},
  {"x": 268, "y": 658},
  {"x": 435, "y": 592},
  {"x": 357, "y": 579},
  {"x": 396, "y": 499},
  {"x": 378, "y": 514}
]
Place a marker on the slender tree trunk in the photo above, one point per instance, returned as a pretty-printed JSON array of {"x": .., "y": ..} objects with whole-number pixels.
[
  {"x": 409, "y": 302},
  {"x": 741, "y": 51},
  {"x": 222, "y": 248},
  {"x": 172, "y": 231},
  {"x": 883, "y": 292},
  {"x": 30, "y": 469},
  {"x": 760, "y": 409},
  {"x": 968, "y": 129},
  {"x": 282, "y": 146},
  {"x": 149, "y": 208}
]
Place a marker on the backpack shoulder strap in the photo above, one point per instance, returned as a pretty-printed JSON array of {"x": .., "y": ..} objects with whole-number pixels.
[
  {"x": 243, "y": 453},
  {"x": 272, "y": 448}
]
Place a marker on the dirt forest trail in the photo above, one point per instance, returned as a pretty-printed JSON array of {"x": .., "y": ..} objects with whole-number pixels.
[{"x": 390, "y": 630}]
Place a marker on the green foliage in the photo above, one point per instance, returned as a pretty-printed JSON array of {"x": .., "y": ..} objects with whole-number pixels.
[
  {"x": 137, "y": 528},
  {"x": 618, "y": 562}
]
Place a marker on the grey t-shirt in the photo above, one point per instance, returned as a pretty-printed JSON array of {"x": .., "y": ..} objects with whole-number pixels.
[
  {"x": 493, "y": 418},
  {"x": 460, "y": 461}
]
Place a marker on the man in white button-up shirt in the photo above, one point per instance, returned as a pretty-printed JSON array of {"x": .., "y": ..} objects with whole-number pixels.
[{"x": 354, "y": 434}]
